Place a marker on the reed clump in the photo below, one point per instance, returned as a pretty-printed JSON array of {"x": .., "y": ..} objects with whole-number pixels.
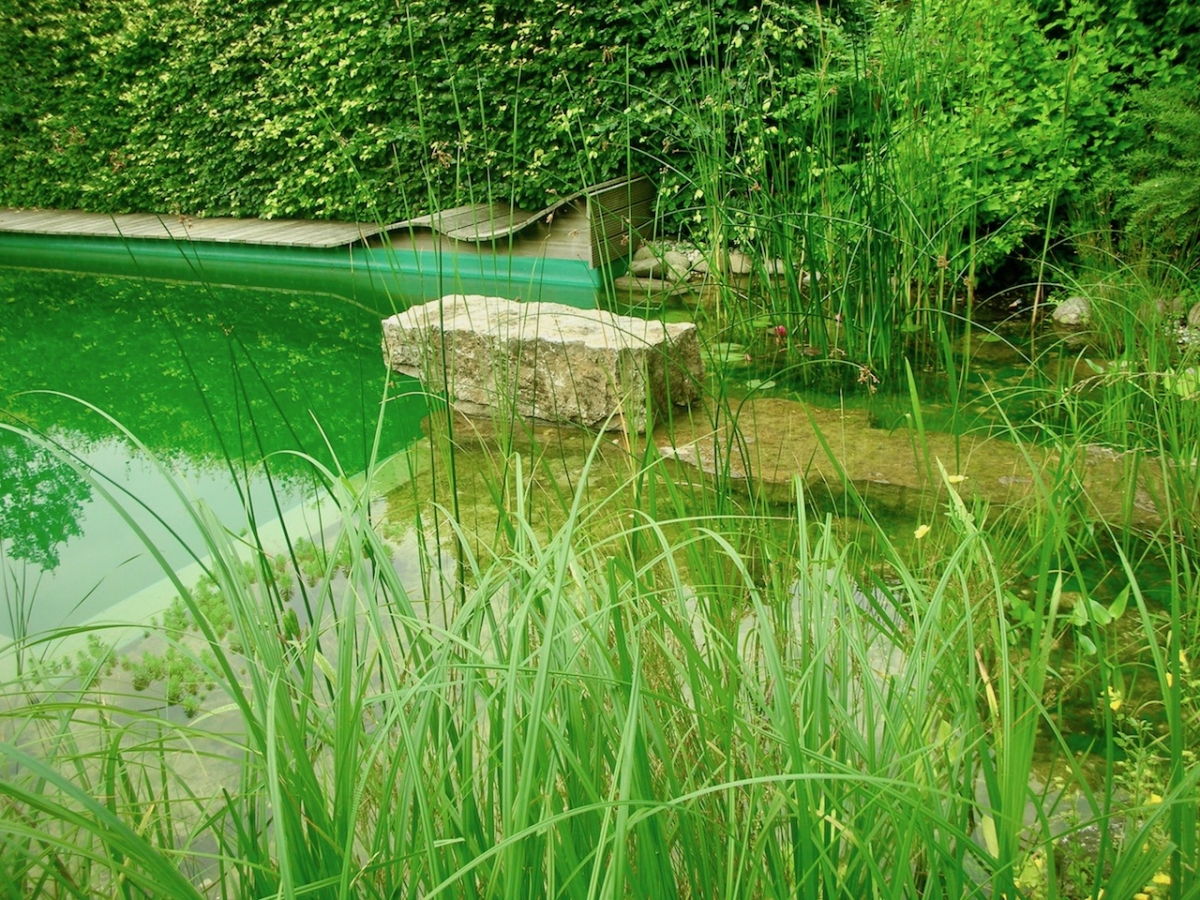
[{"x": 612, "y": 687}]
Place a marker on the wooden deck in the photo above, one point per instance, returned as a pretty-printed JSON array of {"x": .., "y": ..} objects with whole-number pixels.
[
  {"x": 276, "y": 232},
  {"x": 594, "y": 226}
]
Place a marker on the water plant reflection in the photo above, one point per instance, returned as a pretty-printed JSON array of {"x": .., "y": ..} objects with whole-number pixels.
[{"x": 41, "y": 499}]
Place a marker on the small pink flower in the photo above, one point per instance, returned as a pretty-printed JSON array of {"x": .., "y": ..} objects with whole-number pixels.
[{"x": 781, "y": 331}]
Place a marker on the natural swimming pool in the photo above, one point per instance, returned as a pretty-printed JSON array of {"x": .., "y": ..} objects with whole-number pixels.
[
  {"x": 212, "y": 378},
  {"x": 640, "y": 569},
  {"x": 225, "y": 384}
]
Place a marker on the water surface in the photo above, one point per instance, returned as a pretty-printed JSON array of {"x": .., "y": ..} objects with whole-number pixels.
[{"x": 223, "y": 386}]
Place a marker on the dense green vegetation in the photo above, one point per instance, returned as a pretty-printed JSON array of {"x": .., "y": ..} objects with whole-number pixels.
[
  {"x": 364, "y": 109},
  {"x": 611, "y": 675},
  {"x": 642, "y": 683},
  {"x": 911, "y": 154}
]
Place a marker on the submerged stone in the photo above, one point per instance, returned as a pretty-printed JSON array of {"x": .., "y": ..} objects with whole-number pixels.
[
  {"x": 770, "y": 442},
  {"x": 546, "y": 360},
  {"x": 1073, "y": 312}
]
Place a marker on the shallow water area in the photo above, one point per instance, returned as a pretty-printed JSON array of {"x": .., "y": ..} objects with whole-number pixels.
[{"x": 80, "y": 555}]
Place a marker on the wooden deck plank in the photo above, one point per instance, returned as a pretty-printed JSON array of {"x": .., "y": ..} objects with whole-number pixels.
[
  {"x": 605, "y": 212},
  {"x": 278, "y": 232},
  {"x": 33, "y": 218},
  {"x": 461, "y": 222}
]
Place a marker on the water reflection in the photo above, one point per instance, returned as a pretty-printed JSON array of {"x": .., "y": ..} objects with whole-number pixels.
[
  {"x": 226, "y": 384},
  {"x": 41, "y": 499}
]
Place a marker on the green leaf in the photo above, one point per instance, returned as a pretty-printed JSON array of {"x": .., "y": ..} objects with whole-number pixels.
[
  {"x": 1117, "y": 609},
  {"x": 1185, "y": 384},
  {"x": 725, "y": 355}
]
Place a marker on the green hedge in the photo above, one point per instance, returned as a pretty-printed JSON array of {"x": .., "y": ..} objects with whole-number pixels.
[
  {"x": 355, "y": 109},
  {"x": 376, "y": 110}
]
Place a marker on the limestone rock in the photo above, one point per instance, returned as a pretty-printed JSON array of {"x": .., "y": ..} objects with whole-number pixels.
[
  {"x": 645, "y": 262},
  {"x": 546, "y": 360},
  {"x": 675, "y": 265},
  {"x": 739, "y": 263},
  {"x": 643, "y": 268},
  {"x": 1193, "y": 316},
  {"x": 1170, "y": 307},
  {"x": 647, "y": 250},
  {"x": 646, "y": 286},
  {"x": 1074, "y": 311},
  {"x": 668, "y": 265}
]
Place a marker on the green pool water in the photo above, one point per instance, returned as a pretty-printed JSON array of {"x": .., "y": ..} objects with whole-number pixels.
[{"x": 222, "y": 384}]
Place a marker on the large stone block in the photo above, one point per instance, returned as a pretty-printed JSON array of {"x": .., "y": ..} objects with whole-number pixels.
[{"x": 546, "y": 360}]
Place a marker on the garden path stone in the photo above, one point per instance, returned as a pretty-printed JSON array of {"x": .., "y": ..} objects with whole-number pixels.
[{"x": 546, "y": 360}]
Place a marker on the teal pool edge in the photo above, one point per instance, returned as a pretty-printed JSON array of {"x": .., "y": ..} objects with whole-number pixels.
[{"x": 383, "y": 278}]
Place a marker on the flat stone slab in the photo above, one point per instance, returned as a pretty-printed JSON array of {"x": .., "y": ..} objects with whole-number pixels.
[
  {"x": 773, "y": 440},
  {"x": 546, "y": 361}
]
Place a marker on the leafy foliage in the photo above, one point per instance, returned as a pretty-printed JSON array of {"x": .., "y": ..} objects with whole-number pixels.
[
  {"x": 357, "y": 110},
  {"x": 1159, "y": 183},
  {"x": 369, "y": 110},
  {"x": 40, "y": 501}
]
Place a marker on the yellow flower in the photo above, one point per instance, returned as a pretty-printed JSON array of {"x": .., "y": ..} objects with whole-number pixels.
[
  {"x": 1114, "y": 699},
  {"x": 1154, "y": 799},
  {"x": 1141, "y": 895},
  {"x": 921, "y": 531},
  {"x": 1161, "y": 878},
  {"x": 1170, "y": 679},
  {"x": 956, "y": 479}
]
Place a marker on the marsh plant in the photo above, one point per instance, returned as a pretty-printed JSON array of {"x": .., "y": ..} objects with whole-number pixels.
[
  {"x": 625, "y": 697},
  {"x": 615, "y": 676}
]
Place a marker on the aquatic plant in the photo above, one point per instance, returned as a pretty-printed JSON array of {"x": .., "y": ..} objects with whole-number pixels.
[
  {"x": 614, "y": 699},
  {"x": 618, "y": 676}
]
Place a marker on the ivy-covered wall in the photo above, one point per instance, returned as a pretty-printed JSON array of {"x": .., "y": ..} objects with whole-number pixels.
[
  {"x": 379, "y": 109},
  {"x": 359, "y": 108}
]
